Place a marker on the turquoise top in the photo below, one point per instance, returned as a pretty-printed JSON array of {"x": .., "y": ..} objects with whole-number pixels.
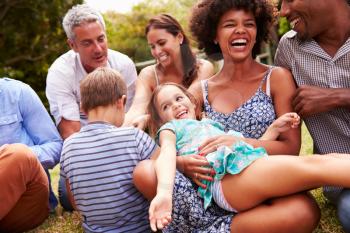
[{"x": 190, "y": 134}]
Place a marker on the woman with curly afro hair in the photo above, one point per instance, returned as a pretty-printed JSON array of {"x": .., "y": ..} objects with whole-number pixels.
[{"x": 246, "y": 96}]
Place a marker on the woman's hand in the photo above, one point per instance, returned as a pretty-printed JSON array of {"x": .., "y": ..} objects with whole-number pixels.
[
  {"x": 196, "y": 167},
  {"x": 139, "y": 122},
  {"x": 160, "y": 211},
  {"x": 213, "y": 143}
]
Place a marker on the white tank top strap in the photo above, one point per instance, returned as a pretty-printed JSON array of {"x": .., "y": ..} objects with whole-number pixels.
[
  {"x": 156, "y": 75},
  {"x": 268, "y": 88},
  {"x": 204, "y": 84}
]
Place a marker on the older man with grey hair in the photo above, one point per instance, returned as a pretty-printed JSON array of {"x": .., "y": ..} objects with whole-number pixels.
[
  {"x": 86, "y": 36},
  {"x": 86, "y": 33}
]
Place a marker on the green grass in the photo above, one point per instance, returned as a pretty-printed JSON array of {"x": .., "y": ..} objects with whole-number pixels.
[
  {"x": 66, "y": 222},
  {"x": 329, "y": 222}
]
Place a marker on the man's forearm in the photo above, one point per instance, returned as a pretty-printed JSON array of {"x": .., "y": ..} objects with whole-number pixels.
[{"x": 341, "y": 97}]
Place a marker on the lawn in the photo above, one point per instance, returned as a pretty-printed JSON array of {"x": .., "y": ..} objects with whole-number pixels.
[{"x": 64, "y": 222}]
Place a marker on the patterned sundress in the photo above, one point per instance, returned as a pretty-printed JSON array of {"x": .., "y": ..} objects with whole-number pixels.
[{"x": 251, "y": 119}]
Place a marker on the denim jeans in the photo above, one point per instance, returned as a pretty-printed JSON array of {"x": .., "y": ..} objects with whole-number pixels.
[
  {"x": 63, "y": 195},
  {"x": 343, "y": 206},
  {"x": 52, "y": 198},
  {"x": 342, "y": 202}
]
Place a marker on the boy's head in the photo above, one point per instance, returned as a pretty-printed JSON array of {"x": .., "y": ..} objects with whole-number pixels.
[{"x": 102, "y": 87}]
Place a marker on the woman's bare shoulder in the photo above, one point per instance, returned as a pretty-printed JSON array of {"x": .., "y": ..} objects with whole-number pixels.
[
  {"x": 278, "y": 72},
  {"x": 282, "y": 81},
  {"x": 196, "y": 90},
  {"x": 205, "y": 69},
  {"x": 147, "y": 72}
]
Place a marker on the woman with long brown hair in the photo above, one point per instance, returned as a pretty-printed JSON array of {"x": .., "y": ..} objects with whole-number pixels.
[{"x": 175, "y": 62}]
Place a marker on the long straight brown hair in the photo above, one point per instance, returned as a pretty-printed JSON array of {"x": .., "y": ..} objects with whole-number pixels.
[{"x": 172, "y": 26}]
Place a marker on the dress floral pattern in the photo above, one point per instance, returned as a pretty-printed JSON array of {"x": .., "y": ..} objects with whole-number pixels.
[
  {"x": 188, "y": 214},
  {"x": 251, "y": 119}
]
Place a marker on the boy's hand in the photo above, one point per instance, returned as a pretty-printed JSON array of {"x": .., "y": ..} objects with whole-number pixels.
[{"x": 160, "y": 211}]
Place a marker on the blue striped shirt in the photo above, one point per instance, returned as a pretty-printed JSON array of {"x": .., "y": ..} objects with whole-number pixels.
[{"x": 98, "y": 161}]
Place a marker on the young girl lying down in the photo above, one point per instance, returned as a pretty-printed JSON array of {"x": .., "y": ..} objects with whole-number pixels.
[{"x": 244, "y": 176}]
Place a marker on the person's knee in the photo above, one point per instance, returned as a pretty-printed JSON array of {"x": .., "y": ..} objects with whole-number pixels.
[
  {"x": 23, "y": 155},
  {"x": 343, "y": 208},
  {"x": 145, "y": 179},
  {"x": 305, "y": 213}
]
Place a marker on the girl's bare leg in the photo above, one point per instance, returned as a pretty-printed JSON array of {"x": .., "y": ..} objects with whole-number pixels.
[
  {"x": 294, "y": 214},
  {"x": 278, "y": 176}
]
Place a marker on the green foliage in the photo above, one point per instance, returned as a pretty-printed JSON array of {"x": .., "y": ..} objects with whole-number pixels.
[
  {"x": 126, "y": 31},
  {"x": 31, "y": 38},
  {"x": 283, "y": 26}
]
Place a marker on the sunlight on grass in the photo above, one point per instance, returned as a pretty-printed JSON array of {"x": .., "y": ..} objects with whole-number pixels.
[{"x": 64, "y": 222}]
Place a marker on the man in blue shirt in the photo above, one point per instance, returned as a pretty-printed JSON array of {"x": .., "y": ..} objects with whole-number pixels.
[{"x": 28, "y": 138}]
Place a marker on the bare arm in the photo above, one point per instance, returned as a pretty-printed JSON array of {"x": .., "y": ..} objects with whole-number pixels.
[
  {"x": 138, "y": 109},
  {"x": 165, "y": 165},
  {"x": 311, "y": 100},
  {"x": 285, "y": 122},
  {"x": 67, "y": 127}
]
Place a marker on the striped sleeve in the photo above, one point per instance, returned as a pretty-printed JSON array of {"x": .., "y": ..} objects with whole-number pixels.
[{"x": 145, "y": 144}]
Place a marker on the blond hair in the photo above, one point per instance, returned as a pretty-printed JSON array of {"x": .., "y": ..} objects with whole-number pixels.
[{"x": 102, "y": 87}]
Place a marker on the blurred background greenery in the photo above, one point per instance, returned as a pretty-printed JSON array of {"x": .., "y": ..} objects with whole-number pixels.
[{"x": 32, "y": 37}]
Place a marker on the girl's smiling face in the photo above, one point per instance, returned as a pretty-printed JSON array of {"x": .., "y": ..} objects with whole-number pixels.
[{"x": 172, "y": 103}]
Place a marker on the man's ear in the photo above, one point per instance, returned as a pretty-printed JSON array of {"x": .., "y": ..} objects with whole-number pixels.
[
  {"x": 121, "y": 101},
  {"x": 72, "y": 45}
]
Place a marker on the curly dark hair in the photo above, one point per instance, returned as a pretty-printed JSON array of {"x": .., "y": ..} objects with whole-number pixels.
[
  {"x": 207, "y": 13},
  {"x": 172, "y": 26}
]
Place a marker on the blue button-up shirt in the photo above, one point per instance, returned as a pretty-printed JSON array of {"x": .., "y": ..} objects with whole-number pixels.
[{"x": 24, "y": 119}]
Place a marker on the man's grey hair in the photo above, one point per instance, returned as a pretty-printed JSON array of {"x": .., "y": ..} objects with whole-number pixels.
[{"x": 78, "y": 15}]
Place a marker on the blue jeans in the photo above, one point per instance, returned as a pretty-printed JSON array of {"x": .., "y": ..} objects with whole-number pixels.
[
  {"x": 52, "y": 198},
  {"x": 342, "y": 202},
  {"x": 63, "y": 195},
  {"x": 343, "y": 207}
]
